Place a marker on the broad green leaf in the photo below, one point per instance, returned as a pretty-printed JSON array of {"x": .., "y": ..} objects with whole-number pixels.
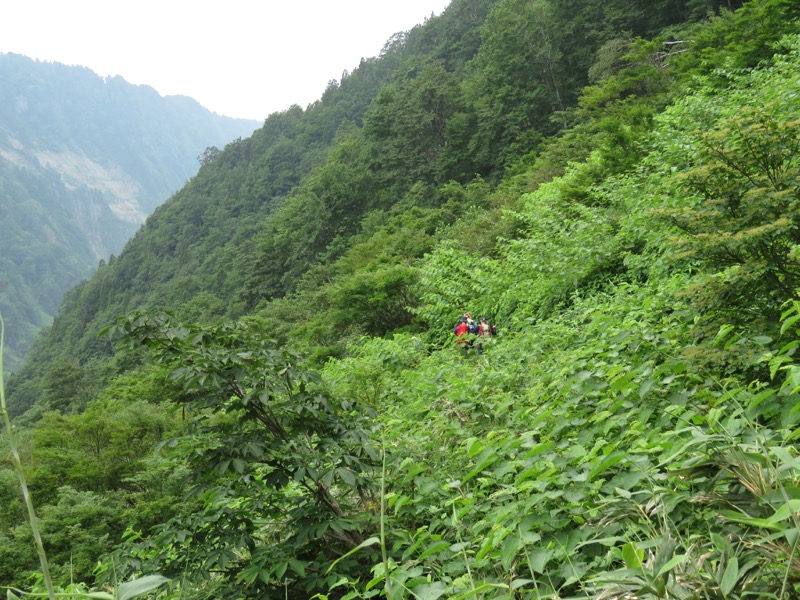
[
  {"x": 298, "y": 566},
  {"x": 784, "y": 512},
  {"x": 632, "y": 556},
  {"x": 487, "y": 457},
  {"x": 752, "y": 521},
  {"x": 518, "y": 583},
  {"x": 775, "y": 364},
  {"x": 792, "y": 378},
  {"x": 722, "y": 334},
  {"x": 606, "y": 541},
  {"x": 787, "y": 323},
  {"x": 674, "y": 562},
  {"x": 139, "y": 587},
  {"x": 279, "y": 568},
  {"x": 608, "y": 462},
  {"x": 730, "y": 576},
  {"x": 622, "y": 382},
  {"x": 789, "y": 348},
  {"x": 645, "y": 387},
  {"x": 379, "y": 578},
  {"x": 429, "y": 591},
  {"x": 509, "y": 550},
  {"x": 487, "y": 547},
  {"x": 760, "y": 398},
  {"x": 665, "y": 552},
  {"x": 720, "y": 543},
  {"x": 474, "y": 447},
  {"x": 347, "y": 476},
  {"x": 624, "y": 493},
  {"x": 539, "y": 558},
  {"x": 434, "y": 548},
  {"x": 791, "y": 535},
  {"x": 786, "y": 458}
]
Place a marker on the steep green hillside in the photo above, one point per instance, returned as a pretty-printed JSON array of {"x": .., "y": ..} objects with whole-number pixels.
[
  {"x": 629, "y": 431},
  {"x": 390, "y": 135},
  {"x": 83, "y": 161}
]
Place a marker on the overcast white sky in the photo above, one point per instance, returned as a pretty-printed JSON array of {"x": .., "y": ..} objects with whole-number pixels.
[{"x": 240, "y": 58}]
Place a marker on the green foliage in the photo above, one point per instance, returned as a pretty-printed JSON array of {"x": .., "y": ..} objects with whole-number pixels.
[
  {"x": 16, "y": 462},
  {"x": 408, "y": 126},
  {"x": 78, "y": 528},
  {"x": 12, "y": 511},
  {"x": 567, "y": 472},
  {"x": 562, "y": 247},
  {"x": 263, "y": 437},
  {"x": 638, "y": 68},
  {"x": 740, "y": 39},
  {"x": 326, "y": 207},
  {"x": 581, "y": 433},
  {"x": 141, "y": 586},
  {"x": 98, "y": 448},
  {"x": 378, "y": 298},
  {"x": 611, "y": 441},
  {"x": 743, "y": 228},
  {"x": 514, "y": 82},
  {"x": 42, "y": 253},
  {"x": 371, "y": 288}
]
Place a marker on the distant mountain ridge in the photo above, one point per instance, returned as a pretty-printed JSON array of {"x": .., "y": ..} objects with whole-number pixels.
[{"x": 83, "y": 161}]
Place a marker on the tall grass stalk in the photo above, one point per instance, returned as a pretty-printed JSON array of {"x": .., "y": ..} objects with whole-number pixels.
[
  {"x": 384, "y": 557},
  {"x": 21, "y": 474}
]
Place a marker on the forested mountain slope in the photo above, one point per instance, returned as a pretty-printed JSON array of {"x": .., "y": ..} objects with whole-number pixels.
[
  {"x": 430, "y": 110},
  {"x": 628, "y": 433},
  {"x": 83, "y": 161}
]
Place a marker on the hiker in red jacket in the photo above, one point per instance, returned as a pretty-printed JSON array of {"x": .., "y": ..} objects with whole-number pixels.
[{"x": 461, "y": 330}]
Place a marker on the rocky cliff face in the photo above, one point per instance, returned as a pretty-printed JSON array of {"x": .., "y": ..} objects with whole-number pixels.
[
  {"x": 108, "y": 204},
  {"x": 83, "y": 161}
]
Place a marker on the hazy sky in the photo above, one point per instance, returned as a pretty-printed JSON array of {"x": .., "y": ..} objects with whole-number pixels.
[{"x": 241, "y": 58}]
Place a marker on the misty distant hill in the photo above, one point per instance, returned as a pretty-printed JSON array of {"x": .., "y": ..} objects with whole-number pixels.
[{"x": 83, "y": 160}]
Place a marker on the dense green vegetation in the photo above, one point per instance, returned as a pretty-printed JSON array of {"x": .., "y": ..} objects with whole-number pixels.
[
  {"x": 261, "y": 397},
  {"x": 83, "y": 160}
]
